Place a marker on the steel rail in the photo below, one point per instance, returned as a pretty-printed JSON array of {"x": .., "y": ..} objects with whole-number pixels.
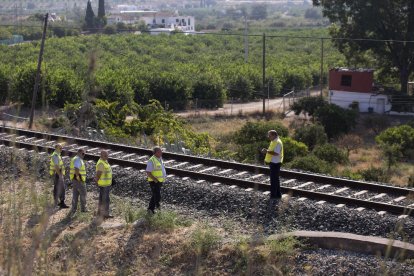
[
  {"x": 391, "y": 208},
  {"x": 303, "y": 176}
]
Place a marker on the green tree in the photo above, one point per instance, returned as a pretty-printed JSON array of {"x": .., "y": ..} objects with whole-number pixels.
[
  {"x": 4, "y": 85},
  {"x": 253, "y": 136},
  {"x": 22, "y": 85},
  {"x": 90, "y": 16},
  {"x": 172, "y": 88},
  {"x": 335, "y": 119},
  {"x": 209, "y": 90},
  {"x": 101, "y": 9},
  {"x": 399, "y": 138},
  {"x": 308, "y": 105},
  {"x": 312, "y": 135},
  {"x": 5, "y": 34},
  {"x": 64, "y": 86},
  {"x": 372, "y": 19}
]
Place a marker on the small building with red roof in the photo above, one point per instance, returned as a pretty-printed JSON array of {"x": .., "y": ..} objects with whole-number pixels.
[{"x": 355, "y": 87}]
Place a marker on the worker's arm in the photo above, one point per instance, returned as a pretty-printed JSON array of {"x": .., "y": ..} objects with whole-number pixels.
[
  {"x": 77, "y": 174},
  {"x": 98, "y": 176},
  {"x": 58, "y": 170},
  {"x": 269, "y": 152},
  {"x": 150, "y": 175}
]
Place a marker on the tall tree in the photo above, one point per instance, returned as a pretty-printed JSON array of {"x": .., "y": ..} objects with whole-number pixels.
[
  {"x": 101, "y": 9},
  {"x": 90, "y": 16},
  {"x": 389, "y": 20}
]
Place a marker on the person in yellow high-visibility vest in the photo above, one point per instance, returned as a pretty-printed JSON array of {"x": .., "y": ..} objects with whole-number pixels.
[
  {"x": 274, "y": 158},
  {"x": 57, "y": 172},
  {"x": 104, "y": 180},
  {"x": 78, "y": 178},
  {"x": 156, "y": 177}
]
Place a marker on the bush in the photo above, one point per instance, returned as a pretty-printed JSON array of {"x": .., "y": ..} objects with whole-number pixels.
[
  {"x": 22, "y": 85},
  {"x": 4, "y": 85},
  {"x": 209, "y": 90},
  {"x": 349, "y": 142},
  {"x": 203, "y": 239},
  {"x": 335, "y": 119},
  {"x": 173, "y": 88},
  {"x": 293, "y": 149},
  {"x": 352, "y": 175},
  {"x": 312, "y": 135},
  {"x": 115, "y": 85},
  {"x": 400, "y": 137},
  {"x": 375, "y": 174},
  {"x": 253, "y": 136},
  {"x": 64, "y": 86},
  {"x": 330, "y": 153},
  {"x": 410, "y": 123},
  {"x": 308, "y": 105},
  {"x": 311, "y": 163},
  {"x": 110, "y": 29}
]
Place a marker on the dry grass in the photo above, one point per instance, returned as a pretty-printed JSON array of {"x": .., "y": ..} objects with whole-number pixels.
[
  {"x": 365, "y": 157},
  {"x": 40, "y": 240}
]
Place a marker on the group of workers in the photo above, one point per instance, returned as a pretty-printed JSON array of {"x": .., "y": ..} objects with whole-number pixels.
[{"x": 156, "y": 176}]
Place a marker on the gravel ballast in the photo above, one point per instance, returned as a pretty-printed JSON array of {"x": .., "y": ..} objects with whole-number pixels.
[{"x": 248, "y": 210}]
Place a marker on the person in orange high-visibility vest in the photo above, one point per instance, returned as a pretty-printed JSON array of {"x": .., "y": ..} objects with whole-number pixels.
[
  {"x": 156, "y": 177},
  {"x": 274, "y": 158}
]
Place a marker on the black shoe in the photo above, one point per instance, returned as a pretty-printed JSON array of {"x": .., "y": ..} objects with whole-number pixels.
[
  {"x": 84, "y": 210},
  {"x": 63, "y": 206},
  {"x": 108, "y": 217}
]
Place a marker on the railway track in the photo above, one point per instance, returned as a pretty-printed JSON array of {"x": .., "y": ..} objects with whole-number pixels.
[{"x": 359, "y": 194}]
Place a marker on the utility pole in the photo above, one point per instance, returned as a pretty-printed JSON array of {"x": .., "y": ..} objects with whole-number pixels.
[
  {"x": 264, "y": 74},
  {"x": 246, "y": 43},
  {"x": 39, "y": 65},
  {"x": 321, "y": 78}
]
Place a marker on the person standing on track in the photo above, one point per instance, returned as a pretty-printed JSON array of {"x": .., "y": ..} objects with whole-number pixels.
[
  {"x": 274, "y": 158},
  {"x": 78, "y": 178},
  {"x": 57, "y": 172},
  {"x": 156, "y": 176}
]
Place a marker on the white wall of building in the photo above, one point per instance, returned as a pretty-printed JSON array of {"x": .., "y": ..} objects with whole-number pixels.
[
  {"x": 183, "y": 23},
  {"x": 379, "y": 102}
]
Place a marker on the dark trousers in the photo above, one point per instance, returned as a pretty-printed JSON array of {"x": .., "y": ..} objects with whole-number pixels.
[
  {"x": 156, "y": 195},
  {"x": 103, "y": 204},
  {"x": 79, "y": 190},
  {"x": 274, "y": 180},
  {"x": 58, "y": 190}
]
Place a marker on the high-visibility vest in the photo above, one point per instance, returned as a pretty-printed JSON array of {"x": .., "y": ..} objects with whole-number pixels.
[
  {"x": 52, "y": 164},
  {"x": 272, "y": 146},
  {"x": 82, "y": 169},
  {"x": 157, "y": 169},
  {"x": 106, "y": 176}
]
